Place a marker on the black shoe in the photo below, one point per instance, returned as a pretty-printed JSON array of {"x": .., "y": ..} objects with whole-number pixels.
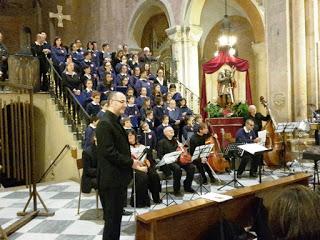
[
  {"x": 189, "y": 190},
  {"x": 239, "y": 175},
  {"x": 204, "y": 181},
  {"x": 253, "y": 175},
  {"x": 158, "y": 201},
  {"x": 177, "y": 194},
  {"x": 212, "y": 180},
  {"x": 126, "y": 213}
]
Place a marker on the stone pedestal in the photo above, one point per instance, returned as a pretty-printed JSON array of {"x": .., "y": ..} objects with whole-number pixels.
[{"x": 185, "y": 41}]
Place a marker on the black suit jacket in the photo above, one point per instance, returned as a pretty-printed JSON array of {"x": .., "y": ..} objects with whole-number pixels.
[{"x": 114, "y": 157}]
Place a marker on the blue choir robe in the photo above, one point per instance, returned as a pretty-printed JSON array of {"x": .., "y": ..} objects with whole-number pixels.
[
  {"x": 132, "y": 111},
  {"x": 143, "y": 83}
]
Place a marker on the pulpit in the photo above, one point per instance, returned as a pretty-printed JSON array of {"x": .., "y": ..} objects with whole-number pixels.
[
  {"x": 230, "y": 127},
  {"x": 24, "y": 69}
]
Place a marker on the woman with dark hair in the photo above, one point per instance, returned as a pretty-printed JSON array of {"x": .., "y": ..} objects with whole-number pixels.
[
  {"x": 156, "y": 92},
  {"x": 161, "y": 80},
  {"x": 295, "y": 214},
  {"x": 90, "y": 46},
  {"x": 59, "y": 56},
  {"x": 144, "y": 181}
]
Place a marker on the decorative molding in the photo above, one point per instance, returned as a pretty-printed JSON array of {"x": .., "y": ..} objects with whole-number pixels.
[
  {"x": 279, "y": 99},
  {"x": 191, "y": 33}
]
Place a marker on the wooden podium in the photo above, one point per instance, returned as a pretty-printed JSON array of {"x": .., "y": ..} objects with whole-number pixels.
[{"x": 230, "y": 126}]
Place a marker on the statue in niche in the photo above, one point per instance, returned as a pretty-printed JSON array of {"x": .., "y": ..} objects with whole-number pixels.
[{"x": 226, "y": 85}]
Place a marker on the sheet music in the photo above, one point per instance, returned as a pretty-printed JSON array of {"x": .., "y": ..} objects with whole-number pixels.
[
  {"x": 217, "y": 197},
  {"x": 263, "y": 136},
  {"x": 200, "y": 150},
  {"x": 169, "y": 158},
  {"x": 253, "y": 148},
  {"x": 137, "y": 151},
  {"x": 280, "y": 127}
]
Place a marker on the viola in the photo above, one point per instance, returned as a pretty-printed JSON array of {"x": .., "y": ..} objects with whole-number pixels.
[
  {"x": 216, "y": 160},
  {"x": 185, "y": 157}
]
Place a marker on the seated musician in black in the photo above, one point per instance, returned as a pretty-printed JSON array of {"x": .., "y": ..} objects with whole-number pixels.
[
  {"x": 167, "y": 145},
  {"x": 196, "y": 140},
  {"x": 257, "y": 118},
  {"x": 144, "y": 181},
  {"x": 247, "y": 135},
  {"x": 89, "y": 175}
]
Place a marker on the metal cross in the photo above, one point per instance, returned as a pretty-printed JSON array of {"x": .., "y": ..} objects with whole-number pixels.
[{"x": 59, "y": 16}]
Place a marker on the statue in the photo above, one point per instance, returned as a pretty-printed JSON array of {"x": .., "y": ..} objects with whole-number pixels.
[{"x": 226, "y": 84}]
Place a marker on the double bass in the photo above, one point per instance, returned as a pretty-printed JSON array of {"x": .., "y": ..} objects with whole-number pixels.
[
  {"x": 216, "y": 160},
  {"x": 274, "y": 141}
]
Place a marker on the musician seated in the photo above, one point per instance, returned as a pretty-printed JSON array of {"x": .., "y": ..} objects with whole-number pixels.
[
  {"x": 89, "y": 175},
  {"x": 144, "y": 180},
  {"x": 196, "y": 140},
  {"x": 247, "y": 135},
  {"x": 167, "y": 145}
]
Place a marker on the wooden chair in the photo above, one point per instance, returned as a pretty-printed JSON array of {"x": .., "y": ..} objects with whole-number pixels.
[{"x": 80, "y": 167}]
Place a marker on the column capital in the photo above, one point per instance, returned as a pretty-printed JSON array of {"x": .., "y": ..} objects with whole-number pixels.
[{"x": 191, "y": 33}]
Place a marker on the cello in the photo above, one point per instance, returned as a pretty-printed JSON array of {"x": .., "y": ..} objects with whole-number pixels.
[
  {"x": 216, "y": 161},
  {"x": 273, "y": 140}
]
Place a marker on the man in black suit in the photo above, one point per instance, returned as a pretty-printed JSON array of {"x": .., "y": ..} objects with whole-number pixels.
[{"x": 114, "y": 171}]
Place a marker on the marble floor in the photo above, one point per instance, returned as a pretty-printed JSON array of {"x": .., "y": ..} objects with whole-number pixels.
[{"x": 66, "y": 224}]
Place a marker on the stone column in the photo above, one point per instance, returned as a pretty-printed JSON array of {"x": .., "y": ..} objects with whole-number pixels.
[
  {"x": 299, "y": 61},
  {"x": 312, "y": 36},
  {"x": 259, "y": 50},
  {"x": 185, "y": 41},
  {"x": 279, "y": 90}
]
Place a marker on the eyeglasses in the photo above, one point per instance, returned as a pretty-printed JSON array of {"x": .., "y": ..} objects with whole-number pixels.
[
  {"x": 251, "y": 125},
  {"x": 120, "y": 101}
]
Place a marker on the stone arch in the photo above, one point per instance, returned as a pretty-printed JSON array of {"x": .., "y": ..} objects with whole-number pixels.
[
  {"x": 144, "y": 10},
  {"x": 193, "y": 11},
  {"x": 243, "y": 46}
]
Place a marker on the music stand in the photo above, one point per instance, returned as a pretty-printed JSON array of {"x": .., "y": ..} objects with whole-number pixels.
[
  {"x": 202, "y": 151},
  {"x": 232, "y": 151},
  {"x": 283, "y": 128},
  {"x": 256, "y": 150},
  {"x": 166, "y": 160}
]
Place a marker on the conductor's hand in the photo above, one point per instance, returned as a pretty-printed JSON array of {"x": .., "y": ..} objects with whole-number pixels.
[{"x": 256, "y": 140}]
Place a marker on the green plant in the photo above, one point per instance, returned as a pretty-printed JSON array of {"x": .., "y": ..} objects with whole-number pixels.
[
  {"x": 240, "y": 109},
  {"x": 214, "y": 110}
]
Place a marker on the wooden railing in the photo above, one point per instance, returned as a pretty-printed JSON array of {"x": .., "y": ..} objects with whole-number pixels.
[
  {"x": 170, "y": 69},
  {"x": 68, "y": 104}
]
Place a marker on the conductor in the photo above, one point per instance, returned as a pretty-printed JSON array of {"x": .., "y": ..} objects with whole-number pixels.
[{"x": 114, "y": 170}]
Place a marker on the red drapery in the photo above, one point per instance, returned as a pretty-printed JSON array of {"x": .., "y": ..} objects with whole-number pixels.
[{"x": 214, "y": 65}]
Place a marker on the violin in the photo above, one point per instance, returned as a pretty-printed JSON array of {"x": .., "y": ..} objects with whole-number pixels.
[{"x": 216, "y": 160}]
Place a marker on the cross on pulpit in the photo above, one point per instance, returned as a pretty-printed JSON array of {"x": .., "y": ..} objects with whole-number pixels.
[{"x": 59, "y": 16}]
